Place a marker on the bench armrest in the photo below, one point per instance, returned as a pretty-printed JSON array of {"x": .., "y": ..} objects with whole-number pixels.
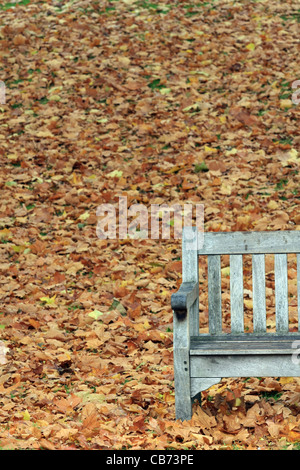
[{"x": 184, "y": 298}]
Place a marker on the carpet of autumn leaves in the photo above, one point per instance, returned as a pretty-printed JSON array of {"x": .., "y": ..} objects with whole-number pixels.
[{"x": 161, "y": 102}]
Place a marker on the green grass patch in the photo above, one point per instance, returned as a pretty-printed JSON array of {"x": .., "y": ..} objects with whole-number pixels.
[{"x": 8, "y": 5}]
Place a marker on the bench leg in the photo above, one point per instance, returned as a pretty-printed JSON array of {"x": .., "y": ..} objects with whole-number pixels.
[
  {"x": 183, "y": 405},
  {"x": 189, "y": 389},
  {"x": 183, "y": 400}
]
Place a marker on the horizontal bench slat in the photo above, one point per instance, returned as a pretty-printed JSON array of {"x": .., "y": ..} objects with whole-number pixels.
[
  {"x": 222, "y": 243},
  {"x": 260, "y": 365},
  {"x": 291, "y": 335},
  {"x": 253, "y": 345}
]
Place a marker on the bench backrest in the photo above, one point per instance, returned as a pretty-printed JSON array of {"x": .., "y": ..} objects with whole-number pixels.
[{"x": 237, "y": 244}]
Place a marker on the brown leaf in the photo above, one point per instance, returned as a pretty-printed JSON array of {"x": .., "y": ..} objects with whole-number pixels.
[
  {"x": 19, "y": 40},
  {"x": 34, "y": 323},
  {"x": 232, "y": 424},
  {"x": 200, "y": 418},
  {"x": 274, "y": 429},
  {"x": 38, "y": 247},
  {"x": 45, "y": 444},
  {"x": 244, "y": 117},
  {"x": 134, "y": 310},
  {"x": 58, "y": 278}
]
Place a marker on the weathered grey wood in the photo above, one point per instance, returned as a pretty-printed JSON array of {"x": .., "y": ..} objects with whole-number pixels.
[
  {"x": 190, "y": 270},
  {"x": 214, "y": 294},
  {"x": 281, "y": 293},
  {"x": 266, "y": 365},
  {"x": 181, "y": 355},
  {"x": 259, "y": 293},
  {"x": 222, "y": 243},
  {"x": 185, "y": 297},
  {"x": 298, "y": 289},
  {"x": 198, "y": 384},
  {"x": 290, "y": 335},
  {"x": 236, "y": 294},
  {"x": 243, "y": 345},
  {"x": 185, "y": 304}
]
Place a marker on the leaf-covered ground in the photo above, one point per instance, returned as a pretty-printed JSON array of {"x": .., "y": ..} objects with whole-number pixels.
[{"x": 161, "y": 102}]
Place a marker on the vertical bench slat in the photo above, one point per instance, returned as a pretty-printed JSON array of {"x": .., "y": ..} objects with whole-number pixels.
[
  {"x": 190, "y": 271},
  {"x": 259, "y": 293},
  {"x": 281, "y": 293},
  {"x": 236, "y": 294},
  {"x": 298, "y": 289},
  {"x": 214, "y": 294}
]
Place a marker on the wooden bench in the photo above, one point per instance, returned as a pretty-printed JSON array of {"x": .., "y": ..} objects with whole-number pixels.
[{"x": 202, "y": 359}]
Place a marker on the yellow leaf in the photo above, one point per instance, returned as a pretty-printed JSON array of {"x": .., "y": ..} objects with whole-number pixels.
[
  {"x": 84, "y": 216},
  {"x": 231, "y": 152},
  {"x": 172, "y": 170},
  {"x": 18, "y": 248},
  {"x": 286, "y": 380},
  {"x": 74, "y": 178},
  {"x": 293, "y": 153},
  {"x": 48, "y": 300},
  {"x": 206, "y": 62},
  {"x": 5, "y": 233},
  {"x": 250, "y": 46},
  {"x": 272, "y": 205},
  {"x": 54, "y": 98},
  {"x": 225, "y": 271},
  {"x": 287, "y": 158},
  {"x": 248, "y": 303},
  {"x": 95, "y": 314},
  {"x": 286, "y": 104},
  {"x": 116, "y": 376},
  {"x": 210, "y": 149},
  {"x": 115, "y": 173},
  {"x": 193, "y": 107},
  {"x": 238, "y": 402},
  {"x": 165, "y": 91},
  {"x": 26, "y": 415},
  {"x": 225, "y": 189}
]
